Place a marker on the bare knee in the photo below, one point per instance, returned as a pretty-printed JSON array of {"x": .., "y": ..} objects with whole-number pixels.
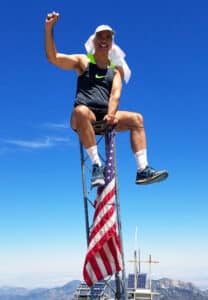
[
  {"x": 138, "y": 120},
  {"x": 81, "y": 111},
  {"x": 81, "y": 115}
]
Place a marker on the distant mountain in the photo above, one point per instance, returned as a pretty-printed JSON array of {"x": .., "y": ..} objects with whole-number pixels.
[
  {"x": 177, "y": 290},
  {"x": 60, "y": 293},
  {"x": 168, "y": 290}
]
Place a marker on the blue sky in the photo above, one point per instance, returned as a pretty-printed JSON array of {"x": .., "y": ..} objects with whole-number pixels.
[{"x": 42, "y": 235}]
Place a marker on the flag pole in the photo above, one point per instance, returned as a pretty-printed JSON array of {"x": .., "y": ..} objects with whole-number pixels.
[
  {"x": 123, "y": 293},
  {"x": 85, "y": 194}
]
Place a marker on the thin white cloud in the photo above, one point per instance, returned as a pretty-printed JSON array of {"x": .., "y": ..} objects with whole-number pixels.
[
  {"x": 56, "y": 125},
  {"x": 48, "y": 142},
  {"x": 60, "y": 140}
]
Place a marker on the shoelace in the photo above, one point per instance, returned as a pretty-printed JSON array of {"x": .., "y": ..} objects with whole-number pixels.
[
  {"x": 148, "y": 171},
  {"x": 96, "y": 170}
]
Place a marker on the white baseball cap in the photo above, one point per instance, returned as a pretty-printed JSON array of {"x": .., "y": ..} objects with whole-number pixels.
[{"x": 104, "y": 27}]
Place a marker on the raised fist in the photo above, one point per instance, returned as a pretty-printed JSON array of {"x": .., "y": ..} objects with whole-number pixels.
[{"x": 52, "y": 18}]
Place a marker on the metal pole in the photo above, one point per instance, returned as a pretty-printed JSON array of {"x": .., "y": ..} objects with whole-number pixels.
[
  {"x": 150, "y": 272},
  {"x": 120, "y": 293},
  {"x": 117, "y": 278},
  {"x": 117, "y": 200},
  {"x": 84, "y": 187}
]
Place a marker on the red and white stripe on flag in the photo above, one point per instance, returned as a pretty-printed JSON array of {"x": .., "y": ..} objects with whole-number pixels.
[{"x": 104, "y": 250}]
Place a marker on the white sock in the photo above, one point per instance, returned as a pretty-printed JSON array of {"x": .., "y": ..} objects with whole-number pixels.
[
  {"x": 141, "y": 159},
  {"x": 93, "y": 154}
]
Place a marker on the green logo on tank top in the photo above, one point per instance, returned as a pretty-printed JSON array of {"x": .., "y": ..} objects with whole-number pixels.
[{"x": 99, "y": 76}]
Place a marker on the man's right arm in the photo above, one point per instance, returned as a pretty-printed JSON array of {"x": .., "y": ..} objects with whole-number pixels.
[{"x": 64, "y": 61}]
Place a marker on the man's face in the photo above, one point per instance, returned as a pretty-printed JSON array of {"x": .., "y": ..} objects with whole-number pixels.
[{"x": 103, "y": 41}]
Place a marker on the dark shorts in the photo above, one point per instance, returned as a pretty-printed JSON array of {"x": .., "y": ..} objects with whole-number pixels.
[
  {"x": 100, "y": 127},
  {"x": 99, "y": 112}
]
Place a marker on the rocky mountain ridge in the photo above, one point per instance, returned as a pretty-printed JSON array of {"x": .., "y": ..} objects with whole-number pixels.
[
  {"x": 168, "y": 290},
  {"x": 177, "y": 290}
]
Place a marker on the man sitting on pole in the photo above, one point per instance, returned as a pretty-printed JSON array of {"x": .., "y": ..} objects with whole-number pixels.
[{"x": 100, "y": 74}]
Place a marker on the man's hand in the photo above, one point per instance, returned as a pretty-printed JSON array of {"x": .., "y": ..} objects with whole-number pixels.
[
  {"x": 110, "y": 119},
  {"x": 51, "y": 19}
]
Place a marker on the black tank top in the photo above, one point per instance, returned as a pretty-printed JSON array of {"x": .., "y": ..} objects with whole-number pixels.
[{"x": 94, "y": 85}]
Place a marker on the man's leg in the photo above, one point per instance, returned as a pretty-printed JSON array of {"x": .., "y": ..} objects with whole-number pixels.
[
  {"x": 81, "y": 121},
  {"x": 134, "y": 122}
]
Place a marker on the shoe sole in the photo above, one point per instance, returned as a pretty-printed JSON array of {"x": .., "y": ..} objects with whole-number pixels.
[
  {"x": 98, "y": 182},
  {"x": 157, "y": 178}
]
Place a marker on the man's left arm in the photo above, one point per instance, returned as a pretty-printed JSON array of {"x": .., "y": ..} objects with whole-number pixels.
[{"x": 114, "y": 97}]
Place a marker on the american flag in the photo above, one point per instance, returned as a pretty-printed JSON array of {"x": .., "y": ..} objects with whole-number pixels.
[{"x": 104, "y": 250}]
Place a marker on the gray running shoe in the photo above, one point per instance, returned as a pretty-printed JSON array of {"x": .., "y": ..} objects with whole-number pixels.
[
  {"x": 149, "y": 175},
  {"x": 97, "y": 176}
]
